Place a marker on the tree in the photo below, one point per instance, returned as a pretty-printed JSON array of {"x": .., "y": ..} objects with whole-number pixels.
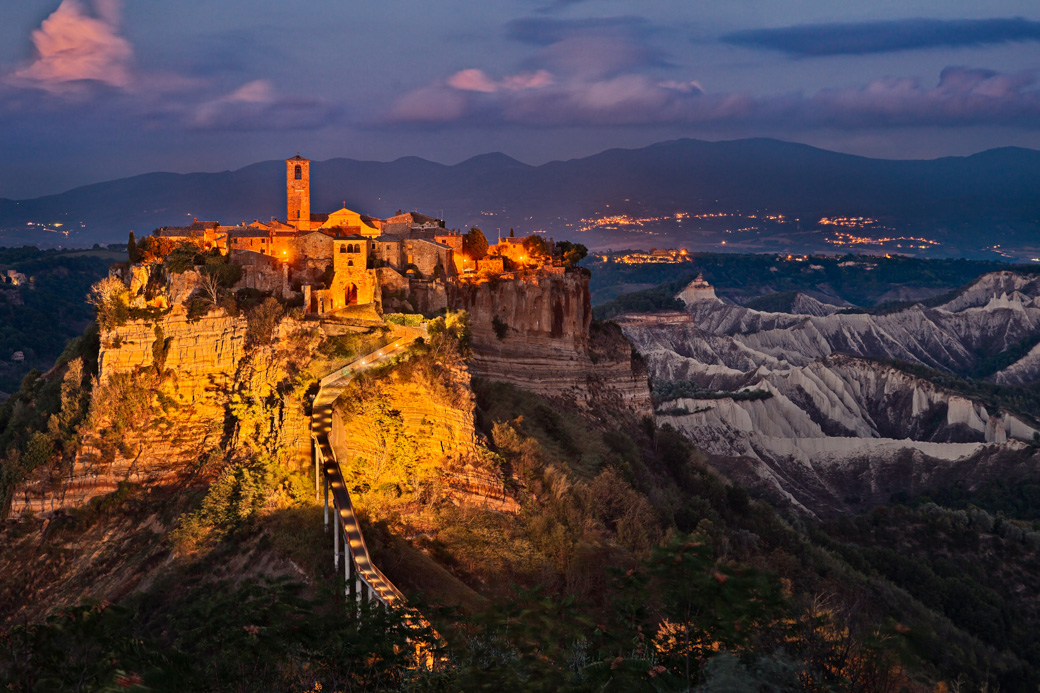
[
  {"x": 571, "y": 253},
  {"x": 537, "y": 247},
  {"x": 209, "y": 288},
  {"x": 131, "y": 248},
  {"x": 108, "y": 296},
  {"x": 475, "y": 244}
]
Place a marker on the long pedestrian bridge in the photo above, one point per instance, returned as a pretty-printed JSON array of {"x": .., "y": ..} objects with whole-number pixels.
[{"x": 364, "y": 581}]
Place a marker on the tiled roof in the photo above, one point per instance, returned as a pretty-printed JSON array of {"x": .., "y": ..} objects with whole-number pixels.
[
  {"x": 396, "y": 228},
  {"x": 249, "y": 232}
]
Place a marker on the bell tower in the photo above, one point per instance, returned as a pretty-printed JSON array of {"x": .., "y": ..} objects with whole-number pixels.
[{"x": 298, "y": 192}]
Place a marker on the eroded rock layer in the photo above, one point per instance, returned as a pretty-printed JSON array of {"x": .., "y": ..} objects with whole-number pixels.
[
  {"x": 533, "y": 331},
  {"x": 807, "y": 406},
  {"x": 172, "y": 393}
]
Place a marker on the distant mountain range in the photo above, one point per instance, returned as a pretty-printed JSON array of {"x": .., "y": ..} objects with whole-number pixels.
[{"x": 953, "y": 198}]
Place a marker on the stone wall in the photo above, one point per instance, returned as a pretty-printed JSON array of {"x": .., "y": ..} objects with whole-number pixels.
[
  {"x": 387, "y": 250},
  {"x": 314, "y": 248},
  {"x": 430, "y": 296},
  {"x": 427, "y": 256}
]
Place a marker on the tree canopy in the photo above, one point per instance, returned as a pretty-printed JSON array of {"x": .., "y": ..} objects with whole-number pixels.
[{"x": 475, "y": 244}]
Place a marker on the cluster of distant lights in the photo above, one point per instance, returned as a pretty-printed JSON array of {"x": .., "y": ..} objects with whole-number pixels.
[
  {"x": 669, "y": 256},
  {"x": 54, "y": 227},
  {"x": 912, "y": 242},
  {"x": 848, "y": 222},
  {"x": 618, "y": 220}
]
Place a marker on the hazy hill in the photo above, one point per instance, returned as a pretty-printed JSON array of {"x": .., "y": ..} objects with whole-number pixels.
[{"x": 995, "y": 189}]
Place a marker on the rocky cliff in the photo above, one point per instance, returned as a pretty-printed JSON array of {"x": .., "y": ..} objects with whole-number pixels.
[
  {"x": 413, "y": 431},
  {"x": 791, "y": 396},
  {"x": 533, "y": 330},
  {"x": 995, "y": 312},
  {"x": 173, "y": 394}
]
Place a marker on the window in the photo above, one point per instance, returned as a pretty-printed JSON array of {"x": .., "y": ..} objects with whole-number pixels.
[
  {"x": 299, "y": 172},
  {"x": 343, "y": 249}
]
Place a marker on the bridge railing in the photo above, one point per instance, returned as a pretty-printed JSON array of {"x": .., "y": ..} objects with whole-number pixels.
[
  {"x": 369, "y": 359},
  {"x": 364, "y": 580}
]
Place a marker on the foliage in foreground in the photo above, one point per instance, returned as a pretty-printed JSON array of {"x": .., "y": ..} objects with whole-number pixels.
[{"x": 682, "y": 620}]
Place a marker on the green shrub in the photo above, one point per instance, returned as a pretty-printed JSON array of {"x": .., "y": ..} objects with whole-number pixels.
[
  {"x": 198, "y": 308},
  {"x": 182, "y": 258},
  {"x": 405, "y": 319},
  {"x": 232, "y": 500},
  {"x": 160, "y": 349}
]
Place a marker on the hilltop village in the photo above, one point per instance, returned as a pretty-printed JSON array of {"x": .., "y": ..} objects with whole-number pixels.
[{"x": 340, "y": 259}]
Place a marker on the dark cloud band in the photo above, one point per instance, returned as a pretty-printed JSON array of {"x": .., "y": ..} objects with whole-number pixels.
[{"x": 884, "y": 37}]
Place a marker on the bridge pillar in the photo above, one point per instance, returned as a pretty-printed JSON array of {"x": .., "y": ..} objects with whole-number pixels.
[
  {"x": 326, "y": 505},
  {"x": 352, "y": 580},
  {"x": 348, "y": 569},
  {"x": 335, "y": 544}
]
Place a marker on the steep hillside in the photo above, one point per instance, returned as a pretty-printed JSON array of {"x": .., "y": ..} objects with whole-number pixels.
[{"x": 818, "y": 419}]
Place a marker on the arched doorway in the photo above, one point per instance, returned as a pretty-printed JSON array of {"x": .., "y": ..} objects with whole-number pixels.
[{"x": 350, "y": 295}]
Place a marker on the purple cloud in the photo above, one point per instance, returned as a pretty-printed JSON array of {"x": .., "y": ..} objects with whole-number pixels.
[
  {"x": 541, "y": 31},
  {"x": 963, "y": 97},
  {"x": 75, "y": 47},
  {"x": 255, "y": 106}
]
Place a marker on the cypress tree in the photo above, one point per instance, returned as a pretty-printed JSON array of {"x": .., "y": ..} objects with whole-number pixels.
[{"x": 131, "y": 248}]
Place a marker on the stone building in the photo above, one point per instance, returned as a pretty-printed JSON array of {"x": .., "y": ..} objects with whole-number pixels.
[
  {"x": 342, "y": 258},
  {"x": 206, "y": 234},
  {"x": 298, "y": 192}
]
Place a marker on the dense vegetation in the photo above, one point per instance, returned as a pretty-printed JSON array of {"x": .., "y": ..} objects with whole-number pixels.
[
  {"x": 39, "y": 423},
  {"x": 980, "y": 571},
  {"x": 39, "y": 318},
  {"x": 674, "y": 389}
]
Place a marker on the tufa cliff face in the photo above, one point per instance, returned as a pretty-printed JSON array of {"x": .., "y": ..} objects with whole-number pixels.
[
  {"x": 532, "y": 330},
  {"x": 409, "y": 432},
  {"x": 173, "y": 396}
]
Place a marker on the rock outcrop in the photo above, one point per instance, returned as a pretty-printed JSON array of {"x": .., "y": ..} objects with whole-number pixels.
[
  {"x": 168, "y": 387},
  {"x": 401, "y": 431},
  {"x": 999, "y": 310},
  {"x": 532, "y": 330},
  {"x": 804, "y": 404}
]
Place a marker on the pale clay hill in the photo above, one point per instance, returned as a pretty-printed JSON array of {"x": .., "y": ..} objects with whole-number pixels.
[{"x": 838, "y": 428}]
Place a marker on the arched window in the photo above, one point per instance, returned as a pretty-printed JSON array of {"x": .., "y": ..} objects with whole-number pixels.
[
  {"x": 343, "y": 248},
  {"x": 350, "y": 263},
  {"x": 299, "y": 172}
]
